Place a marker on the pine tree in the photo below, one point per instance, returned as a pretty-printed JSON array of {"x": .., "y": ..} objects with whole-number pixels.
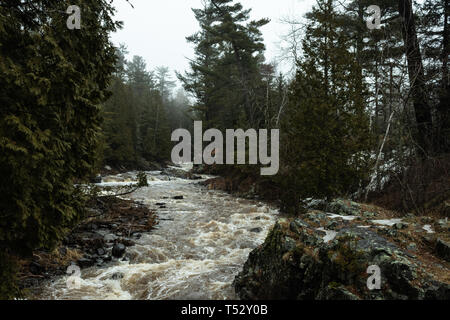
[
  {"x": 225, "y": 75},
  {"x": 325, "y": 130}
]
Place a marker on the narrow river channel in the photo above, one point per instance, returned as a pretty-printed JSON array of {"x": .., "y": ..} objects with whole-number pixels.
[{"x": 200, "y": 244}]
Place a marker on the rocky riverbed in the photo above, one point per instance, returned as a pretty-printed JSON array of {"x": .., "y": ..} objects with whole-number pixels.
[{"x": 112, "y": 224}]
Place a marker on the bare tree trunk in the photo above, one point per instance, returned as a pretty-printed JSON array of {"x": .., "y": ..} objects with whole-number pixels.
[
  {"x": 424, "y": 136},
  {"x": 377, "y": 164}
]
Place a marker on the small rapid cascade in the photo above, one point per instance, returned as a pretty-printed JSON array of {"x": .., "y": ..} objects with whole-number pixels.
[{"x": 198, "y": 247}]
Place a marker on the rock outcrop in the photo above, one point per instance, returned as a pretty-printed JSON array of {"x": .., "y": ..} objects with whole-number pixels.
[{"x": 326, "y": 254}]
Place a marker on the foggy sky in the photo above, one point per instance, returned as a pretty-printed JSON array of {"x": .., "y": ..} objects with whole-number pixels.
[{"x": 156, "y": 29}]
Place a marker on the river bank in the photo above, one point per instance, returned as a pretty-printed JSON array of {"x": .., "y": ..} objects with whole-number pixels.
[
  {"x": 331, "y": 252},
  {"x": 111, "y": 226}
]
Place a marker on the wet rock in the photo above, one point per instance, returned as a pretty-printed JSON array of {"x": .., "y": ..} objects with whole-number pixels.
[
  {"x": 85, "y": 262},
  {"x": 137, "y": 235},
  {"x": 117, "y": 276},
  {"x": 36, "y": 268},
  {"x": 127, "y": 242},
  {"x": 400, "y": 225},
  {"x": 91, "y": 239},
  {"x": 335, "y": 292},
  {"x": 178, "y": 173},
  {"x": 118, "y": 250},
  {"x": 332, "y": 225},
  {"x": 100, "y": 251},
  {"x": 110, "y": 237},
  {"x": 293, "y": 227},
  {"x": 92, "y": 226},
  {"x": 443, "y": 249},
  {"x": 412, "y": 247},
  {"x": 256, "y": 230}
]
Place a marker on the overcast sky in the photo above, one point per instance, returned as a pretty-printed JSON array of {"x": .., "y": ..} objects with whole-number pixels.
[{"x": 156, "y": 29}]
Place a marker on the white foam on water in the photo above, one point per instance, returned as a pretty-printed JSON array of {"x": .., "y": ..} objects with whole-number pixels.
[{"x": 195, "y": 253}]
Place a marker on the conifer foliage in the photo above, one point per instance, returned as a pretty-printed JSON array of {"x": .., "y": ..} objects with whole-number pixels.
[
  {"x": 326, "y": 129},
  {"x": 52, "y": 80}
]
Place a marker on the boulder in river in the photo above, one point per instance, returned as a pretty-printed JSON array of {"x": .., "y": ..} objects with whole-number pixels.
[
  {"x": 118, "y": 250},
  {"x": 176, "y": 172}
]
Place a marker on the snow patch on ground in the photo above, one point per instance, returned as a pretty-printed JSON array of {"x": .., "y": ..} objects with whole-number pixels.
[
  {"x": 335, "y": 216},
  {"x": 329, "y": 234},
  {"x": 427, "y": 228},
  {"x": 387, "y": 222}
]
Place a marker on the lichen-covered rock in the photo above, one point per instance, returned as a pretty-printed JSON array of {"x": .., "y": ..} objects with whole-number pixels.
[
  {"x": 335, "y": 291},
  {"x": 295, "y": 263},
  {"x": 344, "y": 207}
]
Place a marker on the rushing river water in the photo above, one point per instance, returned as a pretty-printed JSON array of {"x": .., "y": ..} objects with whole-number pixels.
[{"x": 199, "y": 246}]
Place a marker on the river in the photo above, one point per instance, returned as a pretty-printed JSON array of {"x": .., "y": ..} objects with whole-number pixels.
[{"x": 198, "y": 247}]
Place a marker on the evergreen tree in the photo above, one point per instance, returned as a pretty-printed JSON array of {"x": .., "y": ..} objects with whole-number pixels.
[
  {"x": 225, "y": 77},
  {"x": 52, "y": 80},
  {"x": 325, "y": 130}
]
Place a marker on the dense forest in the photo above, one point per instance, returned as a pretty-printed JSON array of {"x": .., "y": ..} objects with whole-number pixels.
[{"x": 365, "y": 115}]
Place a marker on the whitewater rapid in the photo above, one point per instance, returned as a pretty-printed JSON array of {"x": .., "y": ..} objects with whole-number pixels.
[{"x": 198, "y": 247}]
